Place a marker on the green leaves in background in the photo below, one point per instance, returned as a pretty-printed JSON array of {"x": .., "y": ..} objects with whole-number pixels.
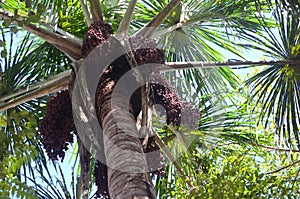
[
  {"x": 18, "y": 137},
  {"x": 230, "y": 171}
]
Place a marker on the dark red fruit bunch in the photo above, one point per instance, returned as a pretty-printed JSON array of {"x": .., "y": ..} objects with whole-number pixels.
[
  {"x": 57, "y": 126},
  {"x": 177, "y": 111},
  {"x": 97, "y": 33},
  {"x": 190, "y": 115},
  {"x": 145, "y": 51},
  {"x": 161, "y": 92}
]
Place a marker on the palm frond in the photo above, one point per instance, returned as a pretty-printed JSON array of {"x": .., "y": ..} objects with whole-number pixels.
[
  {"x": 276, "y": 87},
  {"x": 29, "y": 60},
  {"x": 18, "y": 150}
]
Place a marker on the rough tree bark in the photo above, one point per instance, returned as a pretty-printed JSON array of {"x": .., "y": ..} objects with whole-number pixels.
[
  {"x": 127, "y": 166},
  {"x": 123, "y": 149},
  {"x": 128, "y": 178}
]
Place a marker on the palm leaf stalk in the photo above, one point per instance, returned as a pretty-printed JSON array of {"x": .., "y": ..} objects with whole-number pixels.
[
  {"x": 151, "y": 26},
  {"x": 96, "y": 10},
  {"x": 86, "y": 12},
  {"x": 60, "y": 81},
  {"x": 124, "y": 25},
  {"x": 40, "y": 89}
]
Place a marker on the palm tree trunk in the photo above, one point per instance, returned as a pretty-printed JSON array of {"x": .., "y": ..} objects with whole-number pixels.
[
  {"x": 83, "y": 189},
  {"x": 127, "y": 166}
]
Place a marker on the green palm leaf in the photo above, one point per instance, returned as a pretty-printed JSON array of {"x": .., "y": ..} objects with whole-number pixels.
[
  {"x": 276, "y": 87},
  {"x": 28, "y": 61}
]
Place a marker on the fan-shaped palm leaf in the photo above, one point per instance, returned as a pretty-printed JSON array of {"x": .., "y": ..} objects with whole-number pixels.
[{"x": 277, "y": 87}]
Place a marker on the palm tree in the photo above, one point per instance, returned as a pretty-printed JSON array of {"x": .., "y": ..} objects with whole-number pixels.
[{"x": 189, "y": 31}]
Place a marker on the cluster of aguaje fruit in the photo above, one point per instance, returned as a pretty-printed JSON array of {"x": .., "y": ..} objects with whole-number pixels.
[{"x": 57, "y": 128}]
